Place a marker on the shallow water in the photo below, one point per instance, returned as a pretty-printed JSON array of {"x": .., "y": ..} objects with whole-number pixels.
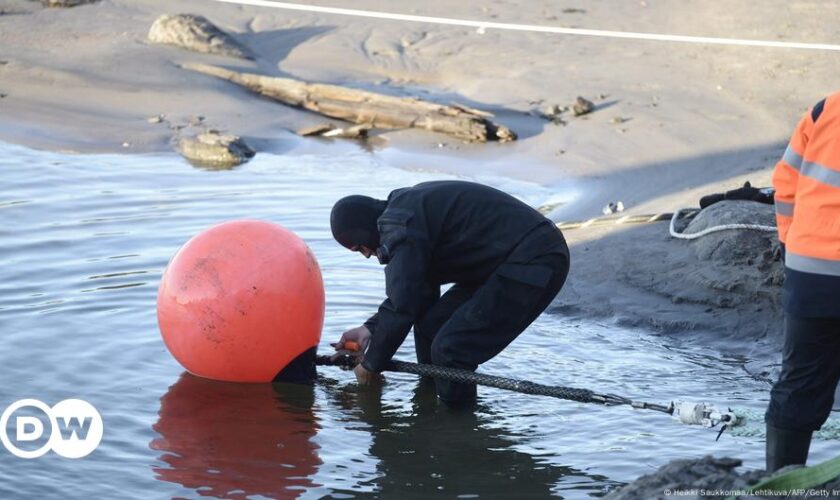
[{"x": 83, "y": 243}]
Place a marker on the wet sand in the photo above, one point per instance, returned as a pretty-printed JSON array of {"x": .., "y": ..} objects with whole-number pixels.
[{"x": 672, "y": 121}]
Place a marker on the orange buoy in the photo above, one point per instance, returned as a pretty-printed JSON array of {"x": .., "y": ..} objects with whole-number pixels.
[{"x": 241, "y": 300}]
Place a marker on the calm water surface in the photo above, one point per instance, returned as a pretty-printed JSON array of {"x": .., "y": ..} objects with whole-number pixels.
[{"x": 83, "y": 243}]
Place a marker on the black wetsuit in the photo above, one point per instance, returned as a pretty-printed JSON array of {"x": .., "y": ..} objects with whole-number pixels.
[{"x": 507, "y": 263}]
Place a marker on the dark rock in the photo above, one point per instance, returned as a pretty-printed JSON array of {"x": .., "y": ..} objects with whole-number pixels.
[
  {"x": 215, "y": 150},
  {"x": 195, "y": 33},
  {"x": 680, "y": 475},
  {"x": 553, "y": 113},
  {"x": 705, "y": 478},
  {"x": 582, "y": 106}
]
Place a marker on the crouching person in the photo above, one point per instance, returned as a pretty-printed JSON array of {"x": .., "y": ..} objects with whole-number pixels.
[{"x": 506, "y": 263}]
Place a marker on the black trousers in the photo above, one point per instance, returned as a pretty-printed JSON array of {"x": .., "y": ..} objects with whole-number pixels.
[
  {"x": 802, "y": 398},
  {"x": 470, "y": 325}
]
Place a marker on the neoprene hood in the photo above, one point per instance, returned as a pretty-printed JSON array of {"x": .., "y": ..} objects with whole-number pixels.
[{"x": 353, "y": 221}]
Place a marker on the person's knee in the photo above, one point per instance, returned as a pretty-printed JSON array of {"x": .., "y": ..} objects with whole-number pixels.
[
  {"x": 443, "y": 353},
  {"x": 426, "y": 328}
]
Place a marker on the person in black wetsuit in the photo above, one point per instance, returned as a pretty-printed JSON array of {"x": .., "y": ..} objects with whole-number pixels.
[{"x": 505, "y": 260}]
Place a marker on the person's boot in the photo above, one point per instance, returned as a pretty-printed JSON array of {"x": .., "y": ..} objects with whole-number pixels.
[
  {"x": 455, "y": 395},
  {"x": 786, "y": 447}
]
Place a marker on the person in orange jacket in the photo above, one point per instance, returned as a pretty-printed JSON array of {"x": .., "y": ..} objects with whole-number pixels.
[{"x": 807, "y": 183}]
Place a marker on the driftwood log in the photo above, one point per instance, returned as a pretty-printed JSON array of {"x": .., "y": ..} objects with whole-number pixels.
[{"x": 359, "y": 106}]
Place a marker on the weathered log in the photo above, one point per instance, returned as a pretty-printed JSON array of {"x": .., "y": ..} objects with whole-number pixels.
[{"x": 359, "y": 106}]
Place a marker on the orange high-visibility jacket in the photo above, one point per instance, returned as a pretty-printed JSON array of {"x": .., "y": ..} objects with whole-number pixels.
[{"x": 807, "y": 182}]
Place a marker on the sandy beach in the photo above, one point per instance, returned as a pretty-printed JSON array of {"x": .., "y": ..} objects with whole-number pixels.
[{"x": 673, "y": 121}]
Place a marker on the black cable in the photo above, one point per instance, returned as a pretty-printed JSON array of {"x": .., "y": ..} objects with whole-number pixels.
[{"x": 523, "y": 386}]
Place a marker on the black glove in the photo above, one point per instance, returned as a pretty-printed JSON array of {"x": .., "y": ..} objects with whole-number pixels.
[{"x": 763, "y": 195}]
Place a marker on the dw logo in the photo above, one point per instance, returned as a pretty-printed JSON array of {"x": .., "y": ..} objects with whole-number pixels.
[{"x": 74, "y": 428}]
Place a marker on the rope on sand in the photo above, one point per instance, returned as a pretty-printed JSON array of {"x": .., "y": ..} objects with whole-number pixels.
[
  {"x": 709, "y": 230},
  {"x": 626, "y": 219},
  {"x": 683, "y": 213}
]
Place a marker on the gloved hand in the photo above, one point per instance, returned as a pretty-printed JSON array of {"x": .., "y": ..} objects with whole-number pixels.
[
  {"x": 354, "y": 342},
  {"x": 365, "y": 377}
]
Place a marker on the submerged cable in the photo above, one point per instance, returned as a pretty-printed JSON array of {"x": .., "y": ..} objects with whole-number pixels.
[
  {"x": 742, "y": 423},
  {"x": 523, "y": 386}
]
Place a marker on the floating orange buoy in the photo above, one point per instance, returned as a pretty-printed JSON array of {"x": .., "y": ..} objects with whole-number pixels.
[{"x": 241, "y": 300}]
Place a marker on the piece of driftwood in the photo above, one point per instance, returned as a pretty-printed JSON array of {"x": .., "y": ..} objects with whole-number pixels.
[
  {"x": 359, "y": 106},
  {"x": 330, "y": 130}
]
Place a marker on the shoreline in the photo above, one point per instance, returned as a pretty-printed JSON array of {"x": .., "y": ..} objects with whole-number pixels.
[{"x": 671, "y": 123}]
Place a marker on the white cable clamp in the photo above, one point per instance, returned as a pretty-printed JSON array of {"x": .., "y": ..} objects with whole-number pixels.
[{"x": 704, "y": 414}]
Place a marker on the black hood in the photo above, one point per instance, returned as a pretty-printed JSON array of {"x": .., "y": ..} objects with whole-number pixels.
[{"x": 353, "y": 221}]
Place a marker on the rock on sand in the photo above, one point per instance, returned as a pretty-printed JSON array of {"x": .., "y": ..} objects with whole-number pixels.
[
  {"x": 195, "y": 33},
  {"x": 582, "y": 106},
  {"x": 215, "y": 150}
]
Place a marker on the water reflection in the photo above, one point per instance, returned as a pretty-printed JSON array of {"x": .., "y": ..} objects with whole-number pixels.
[
  {"x": 229, "y": 440},
  {"x": 211, "y": 167},
  {"x": 426, "y": 448}
]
